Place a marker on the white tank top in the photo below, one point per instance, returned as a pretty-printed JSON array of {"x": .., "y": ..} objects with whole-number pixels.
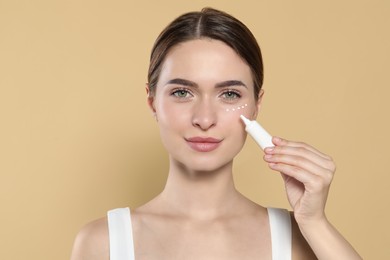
[{"x": 121, "y": 234}]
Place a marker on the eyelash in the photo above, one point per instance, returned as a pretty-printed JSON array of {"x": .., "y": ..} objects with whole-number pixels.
[
  {"x": 237, "y": 94},
  {"x": 230, "y": 91},
  {"x": 175, "y": 91}
]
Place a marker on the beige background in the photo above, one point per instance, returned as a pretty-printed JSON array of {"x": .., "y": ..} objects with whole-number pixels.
[{"x": 77, "y": 139}]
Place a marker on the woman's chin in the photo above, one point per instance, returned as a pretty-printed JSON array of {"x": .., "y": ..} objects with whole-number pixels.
[{"x": 203, "y": 165}]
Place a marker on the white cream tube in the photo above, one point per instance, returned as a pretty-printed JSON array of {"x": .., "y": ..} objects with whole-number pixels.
[{"x": 258, "y": 133}]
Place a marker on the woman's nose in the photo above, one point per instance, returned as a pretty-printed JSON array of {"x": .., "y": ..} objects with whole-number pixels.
[{"x": 204, "y": 115}]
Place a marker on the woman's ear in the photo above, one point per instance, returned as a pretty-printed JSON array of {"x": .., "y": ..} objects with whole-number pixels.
[
  {"x": 258, "y": 103},
  {"x": 150, "y": 98}
]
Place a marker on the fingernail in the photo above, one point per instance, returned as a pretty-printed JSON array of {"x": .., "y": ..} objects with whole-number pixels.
[
  {"x": 267, "y": 156},
  {"x": 277, "y": 139},
  {"x": 269, "y": 149},
  {"x": 272, "y": 165}
]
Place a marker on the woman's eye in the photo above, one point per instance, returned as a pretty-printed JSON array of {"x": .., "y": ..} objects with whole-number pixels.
[
  {"x": 231, "y": 95},
  {"x": 181, "y": 93}
]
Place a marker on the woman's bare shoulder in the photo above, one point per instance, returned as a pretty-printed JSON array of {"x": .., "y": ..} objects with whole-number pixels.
[
  {"x": 92, "y": 241},
  {"x": 300, "y": 248}
]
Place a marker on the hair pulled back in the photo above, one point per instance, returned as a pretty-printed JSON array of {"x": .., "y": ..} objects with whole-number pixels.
[{"x": 213, "y": 24}]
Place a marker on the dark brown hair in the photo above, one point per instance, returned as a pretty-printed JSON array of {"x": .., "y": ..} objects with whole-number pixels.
[{"x": 213, "y": 24}]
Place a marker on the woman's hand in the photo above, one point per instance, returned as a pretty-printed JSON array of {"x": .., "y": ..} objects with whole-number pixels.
[{"x": 307, "y": 175}]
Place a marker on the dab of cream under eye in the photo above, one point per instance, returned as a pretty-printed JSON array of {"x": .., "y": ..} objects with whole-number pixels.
[{"x": 236, "y": 108}]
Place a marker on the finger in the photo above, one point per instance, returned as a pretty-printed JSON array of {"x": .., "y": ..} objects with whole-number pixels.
[
  {"x": 303, "y": 153},
  {"x": 312, "y": 182},
  {"x": 284, "y": 142},
  {"x": 298, "y": 161}
]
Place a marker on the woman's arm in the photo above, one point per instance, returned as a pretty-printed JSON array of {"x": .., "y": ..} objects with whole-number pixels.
[
  {"x": 327, "y": 242},
  {"x": 307, "y": 175}
]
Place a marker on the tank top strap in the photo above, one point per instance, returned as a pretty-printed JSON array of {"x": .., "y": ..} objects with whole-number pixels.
[
  {"x": 281, "y": 235},
  {"x": 120, "y": 234}
]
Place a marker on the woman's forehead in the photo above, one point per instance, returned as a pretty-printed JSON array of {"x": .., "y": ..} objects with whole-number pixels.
[{"x": 205, "y": 59}]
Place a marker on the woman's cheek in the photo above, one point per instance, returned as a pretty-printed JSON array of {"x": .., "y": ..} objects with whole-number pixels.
[
  {"x": 232, "y": 112},
  {"x": 230, "y": 118},
  {"x": 171, "y": 113}
]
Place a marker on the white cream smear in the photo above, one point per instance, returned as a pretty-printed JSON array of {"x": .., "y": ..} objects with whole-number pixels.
[{"x": 236, "y": 108}]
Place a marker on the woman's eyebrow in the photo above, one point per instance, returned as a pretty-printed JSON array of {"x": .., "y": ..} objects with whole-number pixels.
[
  {"x": 230, "y": 83},
  {"x": 189, "y": 83},
  {"x": 184, "y": 82}
]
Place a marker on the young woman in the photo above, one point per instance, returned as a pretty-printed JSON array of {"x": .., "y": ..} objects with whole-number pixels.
[{"x": 205, "y": 71}]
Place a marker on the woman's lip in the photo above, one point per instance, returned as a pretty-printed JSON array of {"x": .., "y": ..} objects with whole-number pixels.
[
  {"x": 198, "y": 139},
  {"x": 203, "y": 144}
]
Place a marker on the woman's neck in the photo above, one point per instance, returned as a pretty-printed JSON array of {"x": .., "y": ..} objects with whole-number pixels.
[{"x": 200, "y": 195}]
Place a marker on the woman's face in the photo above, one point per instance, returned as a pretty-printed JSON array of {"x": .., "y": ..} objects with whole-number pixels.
[{"x": 203, "y": 88}]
